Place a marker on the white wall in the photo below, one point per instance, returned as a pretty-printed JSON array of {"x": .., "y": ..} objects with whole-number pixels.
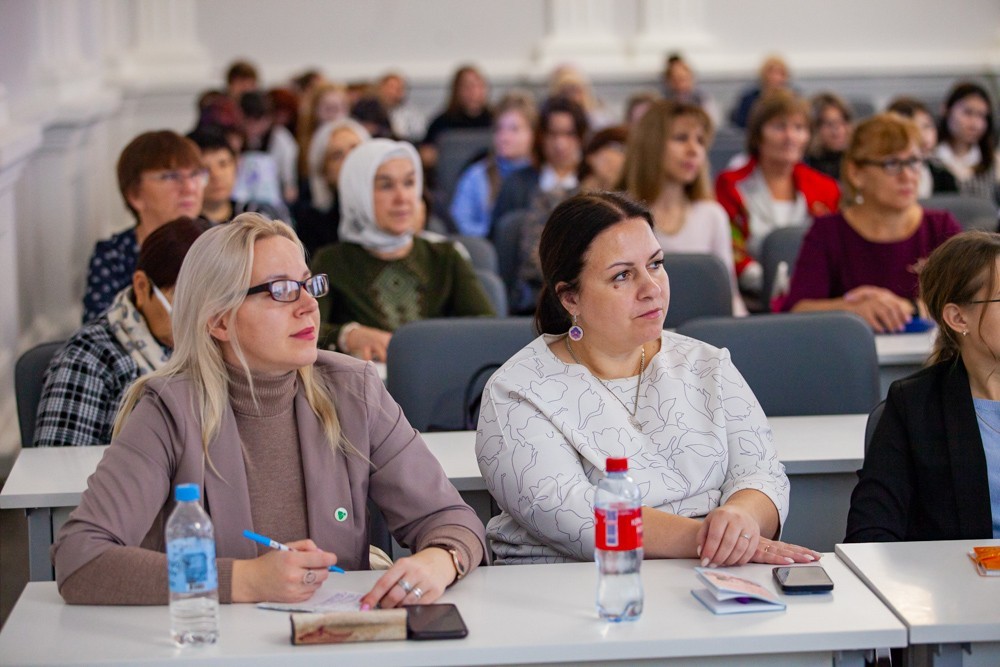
[{"x": 79, "y": 78}]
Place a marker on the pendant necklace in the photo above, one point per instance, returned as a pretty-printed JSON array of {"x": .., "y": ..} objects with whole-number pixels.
[{"x": 635, "y": 403}]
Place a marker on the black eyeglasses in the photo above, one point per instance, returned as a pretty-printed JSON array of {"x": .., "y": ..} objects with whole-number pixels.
[
  {"x": 894, "y": 166},
  {"x": 288, "y": 291}
]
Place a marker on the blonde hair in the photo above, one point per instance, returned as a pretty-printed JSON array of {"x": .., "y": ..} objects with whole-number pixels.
[
  {"x": 211, "y": 286},
  {"x": 877, "y": 137},
  {"x": 644, "y": 175}
]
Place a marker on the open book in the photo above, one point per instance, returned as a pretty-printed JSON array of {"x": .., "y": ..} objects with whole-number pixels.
[{"x": 727, "y": 594}]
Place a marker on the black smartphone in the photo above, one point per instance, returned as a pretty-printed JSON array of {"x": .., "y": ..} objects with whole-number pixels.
[
  {"x": 803, "y": 579},
  {"x": 434, "y": 621}
]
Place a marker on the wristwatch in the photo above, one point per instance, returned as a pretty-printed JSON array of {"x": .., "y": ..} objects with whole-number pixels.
[{"x": 460, "y": 569}]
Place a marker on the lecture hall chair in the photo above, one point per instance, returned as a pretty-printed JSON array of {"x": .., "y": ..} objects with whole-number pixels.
[
  {"x": 971, "y": 212},
  {"x": 699, "y": 287},
  {"x": 29, "y": 378},
  {"x": 780, "y": 246}
]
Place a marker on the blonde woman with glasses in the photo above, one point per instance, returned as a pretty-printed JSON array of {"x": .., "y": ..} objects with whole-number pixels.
[{"x": 283, "y": 440}]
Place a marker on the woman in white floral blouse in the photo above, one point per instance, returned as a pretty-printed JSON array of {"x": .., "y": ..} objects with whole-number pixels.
[{"x": 697, "y": 441}]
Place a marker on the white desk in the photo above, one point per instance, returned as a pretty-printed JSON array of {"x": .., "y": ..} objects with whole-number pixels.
[
  {"x": 821, "y": 455},
  {"x": 952, "y": 614},
  {"x": 530, "y": 614},
  {"x": 900, "y": 355}
]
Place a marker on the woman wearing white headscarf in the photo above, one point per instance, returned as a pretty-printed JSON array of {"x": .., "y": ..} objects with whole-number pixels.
[
  {"x": 381, "y": 274},
  {"x": 318, "y": 220}
]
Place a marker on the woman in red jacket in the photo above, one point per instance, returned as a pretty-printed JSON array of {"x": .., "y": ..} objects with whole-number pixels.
[{"x": 774, "y": 189}]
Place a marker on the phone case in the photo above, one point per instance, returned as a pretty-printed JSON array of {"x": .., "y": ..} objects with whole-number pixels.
[
  {"x": 448, "y": 626},
  {"x": 800, "y": 589}
]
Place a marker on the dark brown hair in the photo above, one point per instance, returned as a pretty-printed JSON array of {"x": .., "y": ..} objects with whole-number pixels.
[
  {"x": 772, "y": 105},
  {"x": 454, "y": 104},
  {"x": 163, "y": 251},
  {"x": 987, "y": 142},
  {"x": 954, "y": 273},
  {"x": 161, "y": 149},
  {"x": 554, "y": 105},
  {"x": 617, "y": 134},
  {"x": 643, "y": 174},
  {"x": 241, "y": 69},
  {"x": 566, "y": 238}
]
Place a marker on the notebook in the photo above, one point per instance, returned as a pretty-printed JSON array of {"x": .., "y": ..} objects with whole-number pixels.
[{"x": 728, "y": 594}]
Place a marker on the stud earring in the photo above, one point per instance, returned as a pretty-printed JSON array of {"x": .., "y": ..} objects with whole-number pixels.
[
  {"x": 859, "y": 198},
  {"x": 965, "y": 333},
  {"x": 575, "y": 331}
]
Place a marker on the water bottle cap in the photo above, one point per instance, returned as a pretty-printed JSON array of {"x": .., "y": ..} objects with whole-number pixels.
[
  {"x": 617, "y": 464},
  {"x": 186, "y": 492}
]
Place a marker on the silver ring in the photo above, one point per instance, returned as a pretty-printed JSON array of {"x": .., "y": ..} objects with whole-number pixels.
[
  {"x": 746, "y": 536},
  {"x": 405, "y": 585},
  {"x": 309, "y": 577},
  {"x": 417, "y": 593}
]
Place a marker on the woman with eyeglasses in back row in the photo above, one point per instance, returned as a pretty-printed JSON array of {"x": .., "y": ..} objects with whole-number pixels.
[
  {"x": 283, "y": 440},
  {"x": 865, "y": 258}
]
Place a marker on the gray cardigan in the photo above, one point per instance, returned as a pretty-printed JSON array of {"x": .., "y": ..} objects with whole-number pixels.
[{"x": 130, "y": 495}]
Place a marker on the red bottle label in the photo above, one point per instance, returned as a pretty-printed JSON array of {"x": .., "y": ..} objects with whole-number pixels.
[{"x": 619, "y": 530}]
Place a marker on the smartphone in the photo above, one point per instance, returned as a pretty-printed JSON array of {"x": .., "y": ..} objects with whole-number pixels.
[
  {"x": 803, "y": 579},
  {"x": 434, "y": 621}
]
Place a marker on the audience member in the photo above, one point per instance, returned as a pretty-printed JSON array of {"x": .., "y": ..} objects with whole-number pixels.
[
  {"x": 603, "y": 160},
  {"x": 406, "y": 120},
  {"x": 241, "y": 78},
  {"x": 774, "y": 75},
  {"x": 381, "y": 274},
  {"x": 968, "y": 145},
  {"x": 217, "y": 112},
  {"x": 932, "y": 471},
  {"x": 570, "y": 82},
  {"x": 318, "y": 221},
  {"x": 514, "y": 121},
  {"x": 711, "y": 481},
  {"x": 372, "y": 115},
  {"x": 667, "y": 166},
  {"x": 221, "y": 162},
  {"x": 268, "y": 170},
  {"x": 304, "y": 83},
  {"x": 285, "y": 108},
  {"x": 637, "y": 105},
  {"x": 88, "y": 376},
  {"x": 562, "y": 130},
  {"x": 468, "y": 108},
  {"x": 862, "y": 259},
  {"x": 326, "y": 103},
  {"x": 830, "y": 123},
  {"x": 934, "y": 176},
  {"x": 161, "y": 177},
  {"x": 774, "y": 189},
  {"x": 246, "y": 388},
  {"x": 679, "y": 86}
]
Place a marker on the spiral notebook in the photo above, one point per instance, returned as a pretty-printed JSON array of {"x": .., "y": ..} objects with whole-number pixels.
[{"x": 728, "y": 594}]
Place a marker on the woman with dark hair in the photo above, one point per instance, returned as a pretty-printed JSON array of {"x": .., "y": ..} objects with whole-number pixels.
[
  {"x": 604, "y": 379},
  {"x": 559, "y": 139},
  {"x": 968, "y": 145},
  {"x": 935, "y": 178},
  {"x": 862, "y": 259},
  {"x": 932, "y": 471},
  {"x": 88, "y": 376},
  {"x": 775, "y": 188},
  {"x": 667, "y": 166},
  {"x": 830, "y": 122},
  {"x": 468, "y": 108},
  {"x": 513, "y": 137}
]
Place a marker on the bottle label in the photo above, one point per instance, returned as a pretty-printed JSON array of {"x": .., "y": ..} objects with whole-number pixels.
[
  {"x": 619, "y": 529},
  {"x": 191, "y": 565}
]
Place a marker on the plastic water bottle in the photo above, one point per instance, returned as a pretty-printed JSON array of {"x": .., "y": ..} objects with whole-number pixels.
[
  {"x": 618, "y": 514},
  {"x": 194, "y": 582}
]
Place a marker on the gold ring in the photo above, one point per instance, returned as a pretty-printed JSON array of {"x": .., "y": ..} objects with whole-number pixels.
[{"x": 766, "y": 547}]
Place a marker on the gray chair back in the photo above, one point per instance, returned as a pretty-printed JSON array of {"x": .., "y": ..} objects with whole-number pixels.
[
  {"x": 781, "y": 245},
  {"x": 699, "y": 287},
  {"x": 971, "y": 212},
  {"x": 873, "y": 418},
  {"x": 800, "y": 363},
  {"x": 29, "y": 378},
  {"x": 495, "y": 290},
  {"x": 482, "y": 254},
  {"x": 456, "y": 150},
  {"x": 432, "y": 363}
]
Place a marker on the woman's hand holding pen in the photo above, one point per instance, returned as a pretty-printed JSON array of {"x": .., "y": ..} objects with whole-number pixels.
[
  {"x": 417, "y": 579},
  {"x": 282, "y": 576}
]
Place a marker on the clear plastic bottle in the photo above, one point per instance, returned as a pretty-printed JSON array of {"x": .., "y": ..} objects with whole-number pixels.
[
  {"x": 194, "y": 582},
  {"x": 618, "y": 514}
]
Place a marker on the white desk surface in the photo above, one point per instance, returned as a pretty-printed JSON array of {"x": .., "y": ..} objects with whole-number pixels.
[
  {"x": 56, "y": 476},
  {"x": 932, "y": 587},
  {"x": 523, "y": 614},
  {"x": 906, "y": 349}
]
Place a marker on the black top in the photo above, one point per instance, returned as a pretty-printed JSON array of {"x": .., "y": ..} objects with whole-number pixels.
[
  {"x": 457, "y": 121},
  {"x": 924, "y": 476}
]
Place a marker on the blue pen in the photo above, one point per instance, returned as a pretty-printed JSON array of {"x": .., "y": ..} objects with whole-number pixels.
[{"x": 268, "y": 542}]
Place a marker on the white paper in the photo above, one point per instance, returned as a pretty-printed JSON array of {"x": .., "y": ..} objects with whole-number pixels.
[{"x": 321, "y": 602}]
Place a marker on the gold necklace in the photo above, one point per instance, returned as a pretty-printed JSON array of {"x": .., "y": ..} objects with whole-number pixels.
[{"x": 635, "y": 403}]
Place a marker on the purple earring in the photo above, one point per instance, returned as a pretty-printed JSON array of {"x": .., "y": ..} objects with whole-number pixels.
[{"x": 575, "y": 331}]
